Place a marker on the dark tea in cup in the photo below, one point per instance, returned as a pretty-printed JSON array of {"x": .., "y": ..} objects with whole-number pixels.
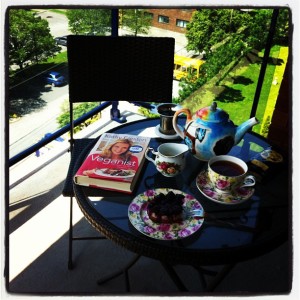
[
  {"x": 227, "y": 168},
  {"x": 227, "y": 173}
]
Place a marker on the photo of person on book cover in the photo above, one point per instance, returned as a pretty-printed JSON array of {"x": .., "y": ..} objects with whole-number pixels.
[
  {"x": 114, "y": 159},
  {"x": 114, "y": 162}
]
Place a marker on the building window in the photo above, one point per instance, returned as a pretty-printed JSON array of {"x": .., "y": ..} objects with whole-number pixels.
[
  {"x": 163, "y": 19},
  {"x": 181, "y": 23}
]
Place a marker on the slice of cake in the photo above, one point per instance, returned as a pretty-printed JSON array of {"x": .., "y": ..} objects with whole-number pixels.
[{"x": 166, "y": 208}]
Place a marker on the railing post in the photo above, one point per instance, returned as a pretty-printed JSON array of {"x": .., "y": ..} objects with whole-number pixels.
[
  {"x": 115, "y": 114},
  {"x": 264, "y": 62},
  {"x": 115, "y": 22}
]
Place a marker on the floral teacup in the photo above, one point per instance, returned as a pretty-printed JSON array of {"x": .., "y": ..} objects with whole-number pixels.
[
  {"x": 169, "y": 158},
  {"x": 228, "y": 173}
]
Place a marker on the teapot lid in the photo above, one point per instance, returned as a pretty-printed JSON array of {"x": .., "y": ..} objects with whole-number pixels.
[{"x": 212, "y": 114}]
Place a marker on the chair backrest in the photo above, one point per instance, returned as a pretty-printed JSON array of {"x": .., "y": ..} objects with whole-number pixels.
[{"x": 105, "y": 68}]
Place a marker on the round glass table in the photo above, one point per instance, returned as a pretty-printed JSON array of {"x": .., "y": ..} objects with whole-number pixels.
[{"x": 229, "y": 233}]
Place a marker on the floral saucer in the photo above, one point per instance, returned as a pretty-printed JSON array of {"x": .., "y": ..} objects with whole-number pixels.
[
  {"x": 208, "y": 190},
  {"x": 138, "y": 216}
]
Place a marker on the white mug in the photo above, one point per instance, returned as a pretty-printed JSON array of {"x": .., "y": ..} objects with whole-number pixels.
[{"x": 169, "y": 158}]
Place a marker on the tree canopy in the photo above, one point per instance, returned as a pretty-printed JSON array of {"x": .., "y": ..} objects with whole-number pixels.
[
  {"x": 30, "y": 39},
  {"x": 209, "y": 28},
  {"x": 136, "y": 20},
  {"x": 225, "y": 35},
  {"x": 89, "y": 21}
]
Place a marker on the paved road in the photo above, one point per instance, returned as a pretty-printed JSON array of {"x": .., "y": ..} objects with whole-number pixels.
[
  {"x": 58, "y": 23},
  {"x": 32, "y": 127}
]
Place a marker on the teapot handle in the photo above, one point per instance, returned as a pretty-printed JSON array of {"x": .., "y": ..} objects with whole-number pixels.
[{"x": 188, "y": 114}]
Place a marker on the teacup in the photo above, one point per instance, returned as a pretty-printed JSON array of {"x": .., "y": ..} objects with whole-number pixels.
[
  {"x": 227, "y": 173},
  {"x": 169, "y": 158}
]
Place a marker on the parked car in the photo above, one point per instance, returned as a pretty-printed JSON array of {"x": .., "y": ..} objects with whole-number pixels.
[
  {"x": 61, "y": 40},
  {"x": 55, "y": 78}
]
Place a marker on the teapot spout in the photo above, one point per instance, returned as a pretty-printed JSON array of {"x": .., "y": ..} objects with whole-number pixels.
[{"x": 243, "y": 128}]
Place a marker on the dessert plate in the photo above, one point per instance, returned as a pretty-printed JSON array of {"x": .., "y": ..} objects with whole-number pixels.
[
  {"x": 208, "y": 190},
  {"x": 138, "y": 216}
]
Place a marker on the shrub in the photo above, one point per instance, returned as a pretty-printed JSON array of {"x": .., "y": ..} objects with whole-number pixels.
[{"x": 79, "y": 110}]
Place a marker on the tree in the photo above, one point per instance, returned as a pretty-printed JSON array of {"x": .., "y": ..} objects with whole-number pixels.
[
  {"x": 212, "y": 27},
  {"x": 30, "y": 39},
  {"x": 209, "y": 28},
  {"x": 136, "y": 20},
  {"x": 256, "y": 34},
  {"x": 79, "y": 110},
  {"x": 282, "y": 30},
  {"x": 204, "y": 31},
  {"x": 226, "y": 35},
  {"x": 89, "y": 21},
  {"x": 223, "y": 34}
]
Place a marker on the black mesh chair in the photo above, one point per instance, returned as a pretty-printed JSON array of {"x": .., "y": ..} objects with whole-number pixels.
[{"x": 135, "y": 69}]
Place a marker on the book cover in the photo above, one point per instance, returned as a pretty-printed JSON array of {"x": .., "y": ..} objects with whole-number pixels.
[{"x": 114, "y": 163}]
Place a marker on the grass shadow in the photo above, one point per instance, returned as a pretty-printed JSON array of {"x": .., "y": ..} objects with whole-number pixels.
[
  {"x": 229, "y": 95},
  {"x": 254, "y": 57},
  {"x": 275, "y": 61},
  {"x": 242, "y": 80}
]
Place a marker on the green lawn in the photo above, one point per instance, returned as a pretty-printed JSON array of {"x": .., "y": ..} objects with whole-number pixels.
[
  {"x": 35, "y": 69},
  {"x": 61, "y": 57},
  {"x": 244, "y": 85},
  {"x": 235, "y": 93}
]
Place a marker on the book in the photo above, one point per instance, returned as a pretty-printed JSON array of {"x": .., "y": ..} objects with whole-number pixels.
[{"x": 114, "y": 163}]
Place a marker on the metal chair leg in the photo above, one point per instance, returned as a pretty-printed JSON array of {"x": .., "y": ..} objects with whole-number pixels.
[
  {"x": 70, "y": 257},
  {"x": 73, "y": 238},
  {"x": 173, "y": 275},
  {"x": 219, "y": 277},
  {"x": 124, "y": 271}
]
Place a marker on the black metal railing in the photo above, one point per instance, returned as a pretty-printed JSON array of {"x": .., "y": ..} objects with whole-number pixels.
[
  {"x": 53, "y": 136},
  {"x": 49, "y": 138}
]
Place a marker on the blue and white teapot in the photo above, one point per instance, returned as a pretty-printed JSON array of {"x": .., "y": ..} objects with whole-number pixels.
[{"x": 210, "y": 132}]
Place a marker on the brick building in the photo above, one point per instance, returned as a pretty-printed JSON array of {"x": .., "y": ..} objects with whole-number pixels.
[{"x": 171, "y": 19}]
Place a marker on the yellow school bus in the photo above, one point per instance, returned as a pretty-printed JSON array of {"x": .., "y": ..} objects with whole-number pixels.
[{"x": 186, "y": 65}]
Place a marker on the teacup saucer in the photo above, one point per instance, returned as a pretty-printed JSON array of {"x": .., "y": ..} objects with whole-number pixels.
[
  {"x": 208, "y": 190},
  {"x": 165, "y": 136}
]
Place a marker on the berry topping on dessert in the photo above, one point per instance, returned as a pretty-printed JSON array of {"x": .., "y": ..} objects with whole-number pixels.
[{"x": 166, "y": 208}]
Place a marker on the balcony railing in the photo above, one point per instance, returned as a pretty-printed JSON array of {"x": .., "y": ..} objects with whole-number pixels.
[
  {"x": 114, "y": 22},
  {"x": 23, "y": 154}
]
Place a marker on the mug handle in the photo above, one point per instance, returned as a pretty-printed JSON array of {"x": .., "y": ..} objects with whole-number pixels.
[
  {"x": 153, "y": 152},
  {"x": 249, "y": 181}
]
